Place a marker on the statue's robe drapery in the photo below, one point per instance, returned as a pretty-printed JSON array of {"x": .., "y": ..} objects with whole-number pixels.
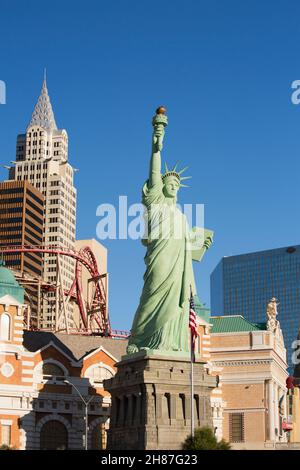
[{"x": 162, "y": 318}]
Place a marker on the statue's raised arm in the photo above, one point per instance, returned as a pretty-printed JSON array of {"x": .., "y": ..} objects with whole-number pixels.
[{"x": 159, "y": 122}]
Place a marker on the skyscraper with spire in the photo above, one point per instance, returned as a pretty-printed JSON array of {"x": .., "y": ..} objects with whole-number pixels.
[{"x": 42, "y": 159}]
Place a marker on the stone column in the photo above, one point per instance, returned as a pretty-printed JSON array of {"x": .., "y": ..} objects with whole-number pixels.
[
  {"x": 284, "y": 407},
  {"x": 121, "y": 411},
  {"x": 139, "y": 404},
  {"x": 173, "y": 407},
  {"x": 150, "y": 418},
  {"x": 180, "y": 407},
  {"x": 130, "y": 409},
  {"x": 271, "y": 410},
  {"x": 276, "y": 413},
  {"x": 188, "y": 410},
  {"x": 159, "y": 408}
]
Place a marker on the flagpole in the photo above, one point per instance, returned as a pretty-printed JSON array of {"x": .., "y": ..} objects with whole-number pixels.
[
  {"x": 192, "y": 377},
  {"x": 192, "y": 391}
]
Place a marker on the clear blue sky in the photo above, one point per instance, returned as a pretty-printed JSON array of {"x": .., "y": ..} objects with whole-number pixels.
[{"x": 223, "y": 69}]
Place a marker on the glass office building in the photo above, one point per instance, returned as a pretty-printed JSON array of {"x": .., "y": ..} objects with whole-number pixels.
[{"x": 245, "y": 283}]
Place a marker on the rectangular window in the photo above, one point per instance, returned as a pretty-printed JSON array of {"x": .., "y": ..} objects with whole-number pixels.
[
  {"x": 6, "y": 434},
  {"x": 236, "y": 427},
  {"x": 290, "y": 404}
]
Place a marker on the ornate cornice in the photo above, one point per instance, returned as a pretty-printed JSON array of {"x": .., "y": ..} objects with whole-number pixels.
[{"x": 244, "y": 362}]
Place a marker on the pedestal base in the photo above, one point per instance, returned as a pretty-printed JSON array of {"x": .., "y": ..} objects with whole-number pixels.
[{"x": 151, "y": 402}]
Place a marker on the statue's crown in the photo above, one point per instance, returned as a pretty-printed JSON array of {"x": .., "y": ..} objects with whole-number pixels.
[{"x": 176, "y": 174}]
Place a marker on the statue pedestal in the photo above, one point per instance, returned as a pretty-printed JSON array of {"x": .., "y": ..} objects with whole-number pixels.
[{"x": 151, "y": 402}]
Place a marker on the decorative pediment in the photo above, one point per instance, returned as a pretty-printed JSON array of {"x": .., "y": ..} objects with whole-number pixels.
[{"x": 9, "y": 300}]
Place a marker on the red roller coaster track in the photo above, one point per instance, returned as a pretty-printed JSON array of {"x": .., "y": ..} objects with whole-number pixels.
[{"x": 93, "y": 310}]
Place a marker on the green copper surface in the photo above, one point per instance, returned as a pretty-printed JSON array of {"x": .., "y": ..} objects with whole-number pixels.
[
  {"x": 162, "y": 318},
  {"x": 9, "y": 285}
]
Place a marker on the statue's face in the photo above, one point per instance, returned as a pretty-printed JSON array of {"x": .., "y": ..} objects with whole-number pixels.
[{"x": 171, "y": 186}]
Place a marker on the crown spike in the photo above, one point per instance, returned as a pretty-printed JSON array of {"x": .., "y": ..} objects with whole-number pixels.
[
  {"x": 183, "y": 186},
  {"x": 176, "y": 164},
  {"x": 183, "y": 169},
  {"x": 166, "y": 167},
  {"x": 185, "y": 178}
]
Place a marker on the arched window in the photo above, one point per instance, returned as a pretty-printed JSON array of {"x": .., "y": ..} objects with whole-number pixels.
[
  {"x": 54, "y": 436},
  {"x": 5, "y": 327},
  {"x": 50, "y": 371},
  {"x": 49, "y": 368},
  {"x": 98, "y": 373}
]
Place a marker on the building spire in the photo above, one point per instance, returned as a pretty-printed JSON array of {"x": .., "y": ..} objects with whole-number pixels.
[{"x": 43, "y": 114}]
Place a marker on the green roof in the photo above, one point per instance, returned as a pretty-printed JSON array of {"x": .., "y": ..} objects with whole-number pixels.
[
  {"x": 233, "y": 324},
  {"x": 6, "y": 276},
  {"x": 9, "y": 285}
]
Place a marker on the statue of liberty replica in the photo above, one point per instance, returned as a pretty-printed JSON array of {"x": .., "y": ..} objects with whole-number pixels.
[
  {"x": 162, "y": 318},
  {"x": 154, "y": 405}
]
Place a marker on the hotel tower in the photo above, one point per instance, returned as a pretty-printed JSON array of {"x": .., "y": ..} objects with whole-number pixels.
[{"x": 42, "y": 160}]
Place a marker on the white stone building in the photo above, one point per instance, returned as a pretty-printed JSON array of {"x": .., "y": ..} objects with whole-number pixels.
[{"x": 42, "y": 159}]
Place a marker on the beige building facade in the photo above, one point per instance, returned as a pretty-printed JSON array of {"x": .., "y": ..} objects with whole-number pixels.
[{"x": 250, "y": 361}]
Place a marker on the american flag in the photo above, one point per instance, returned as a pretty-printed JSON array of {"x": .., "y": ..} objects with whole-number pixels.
[{"x": 193, "y": 327}]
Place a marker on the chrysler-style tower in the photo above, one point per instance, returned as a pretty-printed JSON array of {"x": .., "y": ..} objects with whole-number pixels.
[{"x": 42, "y": 159}]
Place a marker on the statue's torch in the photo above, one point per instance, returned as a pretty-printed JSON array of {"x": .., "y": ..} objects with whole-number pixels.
[{"x": 159, "y": 122}]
